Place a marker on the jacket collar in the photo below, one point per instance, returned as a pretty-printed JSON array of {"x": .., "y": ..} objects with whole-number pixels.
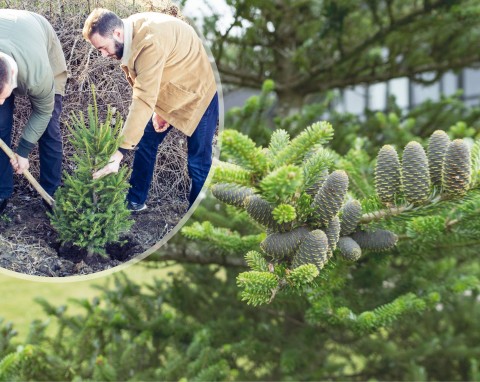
[{"x": 127, "y": 40}]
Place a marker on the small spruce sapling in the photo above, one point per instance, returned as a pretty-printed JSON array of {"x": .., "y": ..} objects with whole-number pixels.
[{"x": 92, "y": 213}]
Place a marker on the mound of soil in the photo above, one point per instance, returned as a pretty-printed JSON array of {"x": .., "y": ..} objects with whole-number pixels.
[{"x": 29, "y": 245}]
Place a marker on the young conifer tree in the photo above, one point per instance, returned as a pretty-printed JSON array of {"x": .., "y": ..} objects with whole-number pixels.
[{"x": 91, "y": 213}]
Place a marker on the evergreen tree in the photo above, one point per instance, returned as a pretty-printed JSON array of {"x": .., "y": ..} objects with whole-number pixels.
[
  {"x": 310, "y": 47},
  {"x": 92, "y": 212}
]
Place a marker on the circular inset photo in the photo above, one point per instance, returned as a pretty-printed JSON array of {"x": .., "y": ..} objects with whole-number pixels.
[{"x": 109, "y": 121}]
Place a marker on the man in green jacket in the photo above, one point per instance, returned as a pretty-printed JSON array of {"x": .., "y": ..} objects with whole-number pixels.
[
  {"x": 31, "y": 64},
  {"x": 173, "y": 86}
]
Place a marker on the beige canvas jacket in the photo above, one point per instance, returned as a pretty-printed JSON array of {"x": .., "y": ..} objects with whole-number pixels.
[{"x": 170, "y": 73}]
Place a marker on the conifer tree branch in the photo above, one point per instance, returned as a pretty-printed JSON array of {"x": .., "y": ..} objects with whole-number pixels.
[
  {"x": 190, "y": 255},
  {"x": 382, "y": 214}
]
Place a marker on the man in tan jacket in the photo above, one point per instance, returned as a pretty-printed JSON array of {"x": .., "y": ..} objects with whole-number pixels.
[{"x": 173, "y": 86}]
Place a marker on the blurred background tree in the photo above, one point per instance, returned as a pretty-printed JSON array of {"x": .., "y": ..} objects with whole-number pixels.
[{"x": 309, "y": 47}]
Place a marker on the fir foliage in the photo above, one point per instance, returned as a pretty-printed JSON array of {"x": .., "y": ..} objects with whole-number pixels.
[
  {"x": 318, "y": 133},
  {"x": 257, "y": 287},
  {"x": 282, "y": 184},
  {"x": 230, "y": 173},
  {"x": 244, "y": 150},
  {"x": 284, "y": 213},
  {"x": 229, "y": 240}
]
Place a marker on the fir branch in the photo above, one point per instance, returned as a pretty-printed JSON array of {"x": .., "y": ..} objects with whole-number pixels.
[
  {"x": 318, "y": 133},
  {"x": 224, "y": 172},
  {"x": 222, "y": 238},
  {"x": 244, "y": 152},
  {"x": 384, "y": 214}
]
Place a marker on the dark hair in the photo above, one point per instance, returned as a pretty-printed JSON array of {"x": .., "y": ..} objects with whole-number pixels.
[
  {"x": 5, "y": 74},
  {"x": 101, "y": 21}
]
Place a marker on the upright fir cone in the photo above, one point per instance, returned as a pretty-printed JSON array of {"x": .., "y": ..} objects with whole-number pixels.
[
  {"x": 232, "y": 194},
  {"x": 377, "y": 241},
  {"x": 329, "y": 198},
  {"x": 416, "y": 177},
  {"x": 312, "y": 250},
  {"x": 457, "y": 169},
  {"x": 333, "y": 234},
  {"x": 387, "y": 174},
  {"x": 349, "y": 248},
  {"x": 437, "y": 148},
  {"x": 261, "y": 211},
  {"x": 317, "y": 185},
  {"x": 280, "y": 245},
  {"x": 351, "y": 215}
]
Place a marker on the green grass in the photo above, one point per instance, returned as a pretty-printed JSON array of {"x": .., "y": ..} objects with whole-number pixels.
[{"x": 17, "y": 303}]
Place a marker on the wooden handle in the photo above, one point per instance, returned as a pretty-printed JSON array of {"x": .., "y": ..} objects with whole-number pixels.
[{"x": 29, "y": 176}]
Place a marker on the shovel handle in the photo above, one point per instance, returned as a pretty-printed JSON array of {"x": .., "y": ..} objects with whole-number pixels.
[{"x": 29, "y": 176}]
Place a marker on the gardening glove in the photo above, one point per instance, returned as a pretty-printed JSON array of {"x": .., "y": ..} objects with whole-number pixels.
[
  {"x": 159, "y": 124},
  {"x": 111, "y": 167},
  {"x": 19, "y": 164}
]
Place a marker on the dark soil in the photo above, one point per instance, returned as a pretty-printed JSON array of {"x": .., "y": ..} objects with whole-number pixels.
[{"x": 29, "y": 245}]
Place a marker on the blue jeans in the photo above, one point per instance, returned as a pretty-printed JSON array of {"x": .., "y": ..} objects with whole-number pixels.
[
  {"x": 49, "y": 144},
  {"x": 199, "y": 155}
]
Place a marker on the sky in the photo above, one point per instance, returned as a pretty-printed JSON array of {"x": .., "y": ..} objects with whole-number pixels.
[{"x": 195, "y": 9}]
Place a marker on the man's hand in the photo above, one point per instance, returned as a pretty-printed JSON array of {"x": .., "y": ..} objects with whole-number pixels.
[
  {"x": 159, "y": 124},
  {"x": 111, "y": 167},
  {"x": 19, "y": 164}
]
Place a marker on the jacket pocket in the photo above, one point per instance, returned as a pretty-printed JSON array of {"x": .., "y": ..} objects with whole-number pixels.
[{"x": 176, "y": 98}]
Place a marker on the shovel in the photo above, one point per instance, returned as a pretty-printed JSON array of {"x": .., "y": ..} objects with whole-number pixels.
[{"x": 31, "y": 179}]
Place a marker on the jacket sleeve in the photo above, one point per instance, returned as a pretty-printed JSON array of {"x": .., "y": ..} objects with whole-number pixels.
[
  {"x": 148, "y": 65},
  {"x": 42, "y": 99},
  {"x": 58, "y": 63}
]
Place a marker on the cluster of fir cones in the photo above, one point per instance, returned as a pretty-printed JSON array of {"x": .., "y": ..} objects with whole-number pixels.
[{"x": 447, "y": 167}]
